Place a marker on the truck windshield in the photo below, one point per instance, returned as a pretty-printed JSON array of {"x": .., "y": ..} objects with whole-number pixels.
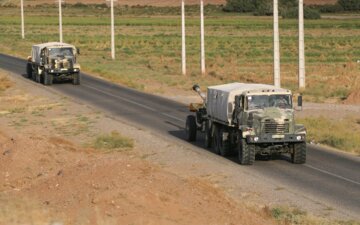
[
  {"x": 267, "y": 101},
  {"x": 61, "y": 52}
]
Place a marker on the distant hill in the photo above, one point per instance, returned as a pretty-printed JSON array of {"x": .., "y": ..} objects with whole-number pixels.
[{"x": 147, "y": 2}]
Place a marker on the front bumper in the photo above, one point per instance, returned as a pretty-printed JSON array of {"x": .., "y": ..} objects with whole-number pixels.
[
  {"x": 63, "y": 71},
  {"x": 275, "y": 138}
]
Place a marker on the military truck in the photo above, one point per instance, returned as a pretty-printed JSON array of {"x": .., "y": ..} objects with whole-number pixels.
[
  {"x": 248, "y": 120},
  {"x": 53, "y": 61}
]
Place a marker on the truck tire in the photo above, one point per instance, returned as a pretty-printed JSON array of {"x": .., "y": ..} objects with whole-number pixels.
[
  {"x": 76, "y": 79},
  {"x": 29, "y": 70},
  {"x": 298, "y": 156},
  {"x": 208, "y": 138},
  {"x": 224, "y": 146},
  {"x": 33, "y": 75},
  {"x": 246, "y": 152},
  {"x": 216, "y": 139},
  {"x": 37, "y": 77},
  {"x": 190, "y": 128},
  {"x": 48, "y": 79}
]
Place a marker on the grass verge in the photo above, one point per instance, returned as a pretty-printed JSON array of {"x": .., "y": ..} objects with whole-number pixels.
[
  {"x": 290, "y": 216},
  {"x": 342, "y": 134},
  {"x": 148, "y": 47},
  {"x": 113, "y": 141}
]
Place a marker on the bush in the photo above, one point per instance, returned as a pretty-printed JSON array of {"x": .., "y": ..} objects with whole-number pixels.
[
  {"x": 328, "y": 8},
  {"x": 350, "y": 5},
  {"x": 113, "y": 141},
  {"x": 293, "y": 13},
  {"x": 263, "y": 8},
  {"x": 239, "y": 6}
]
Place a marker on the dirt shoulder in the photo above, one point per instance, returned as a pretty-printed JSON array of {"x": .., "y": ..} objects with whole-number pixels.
[{"x": 51, "y": 173}]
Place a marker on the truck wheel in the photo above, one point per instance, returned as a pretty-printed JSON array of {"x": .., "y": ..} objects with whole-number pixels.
[
  {"x": 208, "y": 139},
  {"x": 48, "y": 79},
  {"x": 298, "y": 156},
  {"x": 190, "y": 128},
  {"x": 33, "y": 75},
  {"x": 37, "y": 77},
  {"x": 216, "y": 139},
  {"x": 224, "y": 146},
  {"x": 29, "y": 70},
  {"x": 246, "y": 152},
  {"x": 76, "y": 79}
]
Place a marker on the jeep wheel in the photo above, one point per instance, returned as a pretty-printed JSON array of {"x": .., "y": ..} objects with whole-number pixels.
[
  {"x": 224, "y": 146},
  {"x": 48, "y": 79},
  {"x": 208, "y": 138},
  {"x": 76, "y": 79},
  {"x": 190, "y": 128},
  {"x": 246, "y": 152},
  {"x": 29, "y": 70},
  {"x": 298, "y": 156}
]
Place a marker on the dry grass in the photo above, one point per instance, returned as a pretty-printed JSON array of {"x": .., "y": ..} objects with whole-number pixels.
[
  {"x": 238, "y": 48},
  {"x": 5, "y": 83},
  {"x": 342, "y": 134},
  {"x": 291, "y": 216},
  {"x": 114, "y": 141}
]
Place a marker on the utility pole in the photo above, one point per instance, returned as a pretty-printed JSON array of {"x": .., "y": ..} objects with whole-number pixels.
[
  {"x": 202, "y": 37},
  {"x": 60, "y": 21},
  {"x": 276, "y": 45},
  {"x": 183, "y": 42},
  {"x": 301, "y": 46},
  {"x": 112, "y": 30},
  {"x": 22, "y": 20}
]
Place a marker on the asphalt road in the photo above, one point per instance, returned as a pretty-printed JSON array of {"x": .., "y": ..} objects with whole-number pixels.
[{"x": 327, "y": 176}]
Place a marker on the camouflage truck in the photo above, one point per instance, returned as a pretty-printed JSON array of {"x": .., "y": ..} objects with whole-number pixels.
[
  {"x": 54, "y": 60},
  {"x": 248, "y": 120}
]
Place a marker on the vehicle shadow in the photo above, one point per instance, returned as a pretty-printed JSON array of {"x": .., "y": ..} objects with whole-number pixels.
[
  {"x": 55, "y": 81},
  {"x": 200, "y": 139}
]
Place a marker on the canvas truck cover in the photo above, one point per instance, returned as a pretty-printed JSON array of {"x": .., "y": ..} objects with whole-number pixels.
[
  {"x": 36, "y": 49},
  {"x": 221, "y": 98}
]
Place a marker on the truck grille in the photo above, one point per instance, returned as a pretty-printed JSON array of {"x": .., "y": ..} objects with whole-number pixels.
[{"x": 276, "y": 128}]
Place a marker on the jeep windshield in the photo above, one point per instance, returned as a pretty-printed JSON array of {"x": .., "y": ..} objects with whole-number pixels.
[
  {"x": 268, "y": 101},
  {"x": 55, "y": 52}
]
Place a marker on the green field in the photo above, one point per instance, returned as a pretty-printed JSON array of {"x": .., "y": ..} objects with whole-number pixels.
[{"x": 238, "y": 47}]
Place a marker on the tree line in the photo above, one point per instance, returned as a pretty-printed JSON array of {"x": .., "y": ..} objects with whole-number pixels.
[{"x": 289, "y": 8}]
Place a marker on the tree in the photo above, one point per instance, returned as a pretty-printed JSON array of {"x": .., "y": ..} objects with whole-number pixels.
[
  {"x": 240, "y": 6},
  {"x": 350, "y": 5}
]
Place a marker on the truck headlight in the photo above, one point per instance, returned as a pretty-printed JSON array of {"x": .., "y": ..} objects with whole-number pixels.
[
  {"x": 298, "y": 138},
  {"x": 256, "y": 139}
]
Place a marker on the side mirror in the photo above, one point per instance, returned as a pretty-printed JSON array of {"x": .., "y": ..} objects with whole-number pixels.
[
  {"x": 78, "y": 51},
  {"x": 196, "y": 87}
]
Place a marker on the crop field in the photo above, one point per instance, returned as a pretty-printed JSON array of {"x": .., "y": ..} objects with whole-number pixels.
[{"x": 238, "y": 47}]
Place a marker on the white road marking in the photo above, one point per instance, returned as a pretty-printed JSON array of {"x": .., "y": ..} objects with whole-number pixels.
[
  {"x": 123, "y": 99},
  {"x": 135, "y": 103},
  {"x": 332, "y": 174}
]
